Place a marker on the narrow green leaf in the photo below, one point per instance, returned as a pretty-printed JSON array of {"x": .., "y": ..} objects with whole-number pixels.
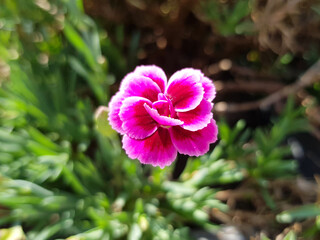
[
  {"x": 77, "y": 41},
  {"x": 290, "y": 236},
  {"x": 135, "y": 232},
  {"x": 301, "y": 213}
]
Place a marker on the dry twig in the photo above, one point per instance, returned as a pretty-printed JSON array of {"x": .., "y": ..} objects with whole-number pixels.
[{"x": 311, "y": 76}]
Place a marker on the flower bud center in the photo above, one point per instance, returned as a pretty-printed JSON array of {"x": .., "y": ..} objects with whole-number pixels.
[{"x": 164, "y": 106}]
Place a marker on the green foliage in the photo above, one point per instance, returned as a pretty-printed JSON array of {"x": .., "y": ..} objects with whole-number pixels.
[
  {"x": 304, "y": 212},
  {"x": 301, "y": 213},
  {"x": 262, "y": 152},
  {"x": 229, "y": 20}
]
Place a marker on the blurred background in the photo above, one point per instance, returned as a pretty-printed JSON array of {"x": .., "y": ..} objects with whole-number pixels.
[{"x": 63, "y": 173}]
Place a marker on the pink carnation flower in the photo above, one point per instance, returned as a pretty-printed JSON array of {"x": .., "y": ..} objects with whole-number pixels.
[{"x": 159, "y": 118}]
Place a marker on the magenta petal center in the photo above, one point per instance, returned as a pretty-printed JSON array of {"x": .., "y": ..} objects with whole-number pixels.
[
  {"x": 162, "y": 107},
  {"x": 164, "y": 120}
]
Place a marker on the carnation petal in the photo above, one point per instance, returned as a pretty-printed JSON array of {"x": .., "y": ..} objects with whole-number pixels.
[
  {"x": 185, "y": 89},
  {"x": 197, "y": 118},
  {"x": 155, "y": 73},
  {"x": 156, "y": 150},
  {"x": 140, "y": 86},
  {"x": 136, "y": 121},
  {"x": 209, "y": 89},
  {"x": 162, "y": 120},
  {"x": 194, "y": 143},
  {"x": 114, "y": 109}
]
